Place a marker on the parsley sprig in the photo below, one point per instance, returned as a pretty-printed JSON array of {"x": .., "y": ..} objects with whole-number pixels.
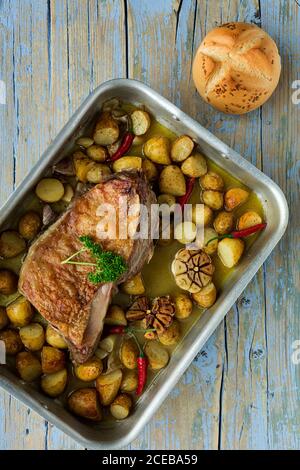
[{"x": 109, "y": 266}]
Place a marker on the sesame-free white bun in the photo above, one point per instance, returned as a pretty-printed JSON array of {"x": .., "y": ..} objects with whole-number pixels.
[{"x": 236, "y": 67}]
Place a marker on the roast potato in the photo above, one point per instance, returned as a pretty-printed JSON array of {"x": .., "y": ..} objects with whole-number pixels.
[
  {"x": 97, "y": 173},
  {"x": 149, "y": 169},
  {"x": 235, "y": 197},
  {"x": 202, "y": 214},
  {"x": 85, "y": 142},
  {"x": 108, "y": 343},
  {"x": 8, "y": 282},
  {"x": 206, "y": 297},
  {"x": 11, "y": 244},
  {"x": 29, "y": 225},
  {"x": 84, "y": 403},
  {"x": 12, "y": 341},
  {"x": 50, "y": 190},
  {"x": 115, "y": 316},
  {"x": 127, "y": 163},
  {"x": 141, "y": 121},
  {"x": 138, "y": 140},
  {"x": 53, "y": 360},
  {"x": 181, "y": 148},
  {"x": 230, "y": 251},
  {"x": 211, "y": 247},
  {"x": 171, "y": 335},
  {"x": 20, "y": 312},
  {"x": 172, "y": 181},
  {"x": 28, "y": 366},
  {"x": 3, "y": 318},
  {"x": 82, "y": 165},
  {"x": 97, "y": 153},
  {"x": 157, "y": 355},
  {"x": 129, "y": 381},
  {"x": 54, "y": 384},
  {"x": 55, "y": 339},
  {"x": 129, "y": 352},
  {"x": 108, "y": 385},
  {"x": 185, "y": 232},
  {"x": 157, "y": 149},
  {"x": 168, "y": 199},
  {"x": 194, "y": 166},
  {"x": 248, "y": 219},
  {"x": 213, "y": 199},
  {"x": 107, "y": 130},
  {"x": 121, "y": 406},
  {"x": 212, "y": 181},
  {"x": 183, "y": 306},
  {"x": 90, "y": 370},
  {"x": 134, "y": 286},
  {"x": 223, "y": 222},
  {"x": 68, "y": 194},
  {"x": 32, "y": 336}
]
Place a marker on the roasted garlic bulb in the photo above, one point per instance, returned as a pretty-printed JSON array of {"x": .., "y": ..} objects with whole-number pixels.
[{"x": 192, "y": 269}]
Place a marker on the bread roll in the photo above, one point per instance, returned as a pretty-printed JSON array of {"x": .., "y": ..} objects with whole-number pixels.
[{"x": 236, "y": 67}]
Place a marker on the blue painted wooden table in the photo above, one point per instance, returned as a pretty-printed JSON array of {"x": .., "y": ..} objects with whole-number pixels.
[{"x": 242, "y": 390}]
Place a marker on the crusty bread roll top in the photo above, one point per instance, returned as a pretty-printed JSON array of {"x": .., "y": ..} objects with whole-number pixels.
[{"x": 236, "y": 67}]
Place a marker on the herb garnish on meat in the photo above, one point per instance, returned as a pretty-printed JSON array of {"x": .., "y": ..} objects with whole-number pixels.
[{"x": 109, "y": 266}]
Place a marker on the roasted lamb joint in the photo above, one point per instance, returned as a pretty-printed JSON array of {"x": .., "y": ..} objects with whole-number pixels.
[{"x": 61, "y": 292}]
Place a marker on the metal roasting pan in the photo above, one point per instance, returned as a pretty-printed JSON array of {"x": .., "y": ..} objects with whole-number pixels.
[{"x": 113, "y": 435}]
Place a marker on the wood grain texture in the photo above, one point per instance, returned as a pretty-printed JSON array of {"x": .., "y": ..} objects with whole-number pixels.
[{"x": 242, "y": 389}]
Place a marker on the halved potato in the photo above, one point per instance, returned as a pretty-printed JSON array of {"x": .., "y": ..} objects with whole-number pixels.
[
  {"x": 53, "y": 360},
  {"x": 194, "y": 166},
  {"x": 11, "y": 244},
  {"x": 106, "y": 130},
  {"x": 248, "y": 219},
  {"x": 157, "y": 355},
  {"x": 129, "y": 381},
  {"x": 84, "y": 403},
  {"x": 223, "y": 222},
  {"x": 50, "y": 190},
  {"x": 235, "y": 197},
  {"x": 230, "y": 251},
  {"x": 20, "y": 312},
  {"x": 32, "y": 336},
  {"x": 172, "y": 181},
  {"x": 158, "y": 150},
  {"x": 29, "y": 225},
  {"x": 134, "y": 286},
  {"x": 121, "y": 406},
  {"x": 183, "y": 306},
  {"x": 12, "y": 341},
  {"x": 141, "y": 122},
  {"x": 97, "y": 153},
  {"x": 213, "y": 199},
  {"x": 90, "y": 370},
  {"x": 185, "y": 232},
  {"x": 54, "y": 384},
  {"x": 97, "y": 172},
  {"x": 181, "y": 148},
  {"x": 202, "y": 214},
  {"x": 115, "y": 316},
  {"x": 127, "y": 163},
  {"x": 171, "y": 335},
  {"x": 212, "y": 181},
  {"x": 55, "y": 339},
  {"x": 206, "y": 297},
  {"x": 108, "y": 385},
  {"x": 28, "y": 366},
  {"x": 149, "y": 169},
  {"x": 129, "y": 352},
  {"x": 8, "y": 282}
]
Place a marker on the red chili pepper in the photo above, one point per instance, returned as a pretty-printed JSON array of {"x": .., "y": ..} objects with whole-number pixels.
[
  {"x": 240, "y": 233},
  {"x": 142, "y": 364},
  {"x": 118, "y": 330},
  {"x": 124, "y": 147},
  {"x": 190, "y": 186}
]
